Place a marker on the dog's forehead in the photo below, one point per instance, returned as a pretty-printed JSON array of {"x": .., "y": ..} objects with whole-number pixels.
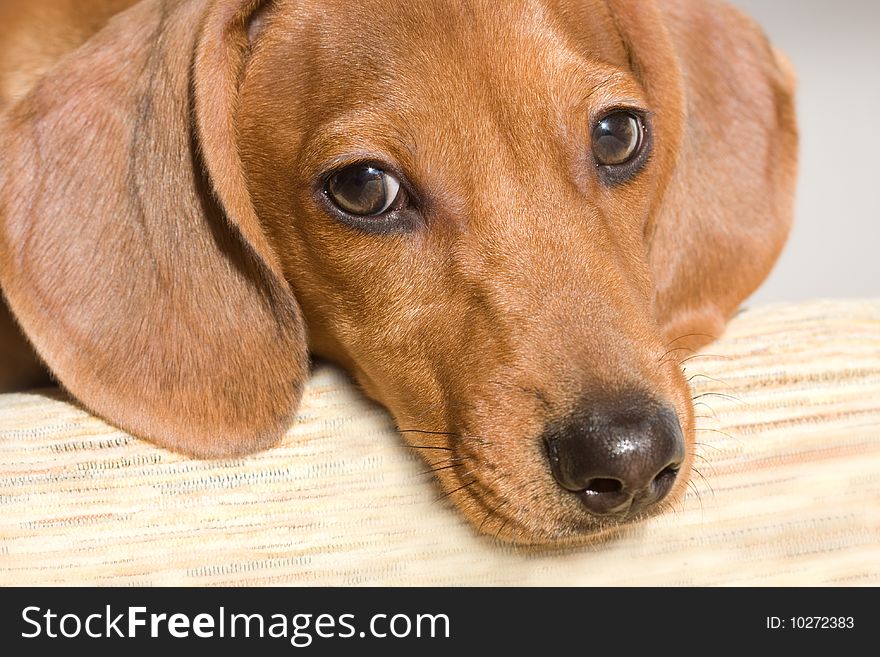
[
  {"x": 376, "y": 35},
  {"x": 475, "y": 69}
]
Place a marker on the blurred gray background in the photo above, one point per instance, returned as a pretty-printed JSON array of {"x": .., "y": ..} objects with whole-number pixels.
[{"x": 835, "y": 48}]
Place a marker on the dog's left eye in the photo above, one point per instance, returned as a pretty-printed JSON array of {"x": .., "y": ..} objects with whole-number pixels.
[
  {"x": 617, "y": 138},
  {"x": 363, "y": 190}
]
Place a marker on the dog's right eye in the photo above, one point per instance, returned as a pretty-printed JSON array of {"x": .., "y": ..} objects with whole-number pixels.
[{"x": 363, "y": 190}]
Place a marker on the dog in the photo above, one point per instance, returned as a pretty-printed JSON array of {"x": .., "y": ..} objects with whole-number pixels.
[{"x": 508, "y": 220}]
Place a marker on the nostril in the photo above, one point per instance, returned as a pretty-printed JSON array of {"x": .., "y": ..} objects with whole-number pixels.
[
  {"x": 670, "y": 471},
  {"x": 603, "y": 485},
  {"x": 662, "y": 483}
]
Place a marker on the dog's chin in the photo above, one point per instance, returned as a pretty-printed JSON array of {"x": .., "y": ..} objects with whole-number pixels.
[
  {"x": 573, "y": 535},
  {"x": 546, "y": 516}
]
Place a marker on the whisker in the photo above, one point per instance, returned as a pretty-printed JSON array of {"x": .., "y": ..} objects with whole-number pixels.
[
  {"x": 692, "y": 335},
  {"x": 707, "y": 445},
  {"x": 718, "y": 431},
  {"x": 430, "y": 433},
  {"x": 501, "y": 529},
  {"x": 706, "y": 376},
  {"x": 694, "y": 488},
  {"x": 681, "y": 507},
  {"x": 666, "y": 506},
  {"x": 672, "y": 351},
  {"x": 470, "y": 483},
  {"x": 469, "y": 472},
  {"x": 493, "y": 512},
  {"x": 706, "y": 481},
  {"x": 445, "y": 449},
  {"x": 690, "y": 358},
  {"x": 519, "y": 517},
  {"x": 722, "y": 395},
  {"x": 443, "y": 467},
  {"x": 449, "y": 434},
  {"x": 714, "y": 415}
]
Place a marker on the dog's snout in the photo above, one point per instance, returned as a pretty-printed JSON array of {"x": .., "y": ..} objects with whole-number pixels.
[{"x": 618, "y": 458}]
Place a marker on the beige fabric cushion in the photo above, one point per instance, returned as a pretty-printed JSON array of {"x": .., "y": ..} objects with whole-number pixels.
[{"x": 788, "y": 490}]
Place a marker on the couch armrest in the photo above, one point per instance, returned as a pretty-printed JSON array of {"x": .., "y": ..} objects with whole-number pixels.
[{"x": 788, "y": 490}]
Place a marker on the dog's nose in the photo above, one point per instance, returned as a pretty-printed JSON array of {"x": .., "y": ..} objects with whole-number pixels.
[{"x": 617, "y": 457}]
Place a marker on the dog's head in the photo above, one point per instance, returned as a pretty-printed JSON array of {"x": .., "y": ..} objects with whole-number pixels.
[{"x": 507, "y": 220}]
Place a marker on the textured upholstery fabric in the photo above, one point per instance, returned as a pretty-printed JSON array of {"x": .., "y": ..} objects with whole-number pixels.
[{"x": 788, "y": 490}]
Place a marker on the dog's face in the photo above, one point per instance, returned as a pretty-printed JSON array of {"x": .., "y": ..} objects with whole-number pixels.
[
  {"x": 463, "y": 218},
  {"x": 508, "y": 221}
]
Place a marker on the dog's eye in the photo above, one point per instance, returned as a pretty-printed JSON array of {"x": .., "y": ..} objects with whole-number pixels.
[
  {"x": 362, "y": 190},
  {"x": 617, "y": 138}
]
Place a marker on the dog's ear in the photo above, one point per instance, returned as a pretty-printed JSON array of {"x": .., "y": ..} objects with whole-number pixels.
[
  {"x": 724, "y": 100},
  {"x": 130, "y": 252}
]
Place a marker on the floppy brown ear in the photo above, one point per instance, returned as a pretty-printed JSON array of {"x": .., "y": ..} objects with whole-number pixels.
[
  {"x": 130, "y": 252},
  {"x": 727, "y": 200}
]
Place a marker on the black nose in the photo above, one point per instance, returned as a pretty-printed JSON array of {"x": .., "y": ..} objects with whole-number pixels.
[{"x": 618, "y": 456}]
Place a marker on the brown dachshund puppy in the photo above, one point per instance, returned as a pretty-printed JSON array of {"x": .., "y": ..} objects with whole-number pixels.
[{"x": 504, "y": 218}]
